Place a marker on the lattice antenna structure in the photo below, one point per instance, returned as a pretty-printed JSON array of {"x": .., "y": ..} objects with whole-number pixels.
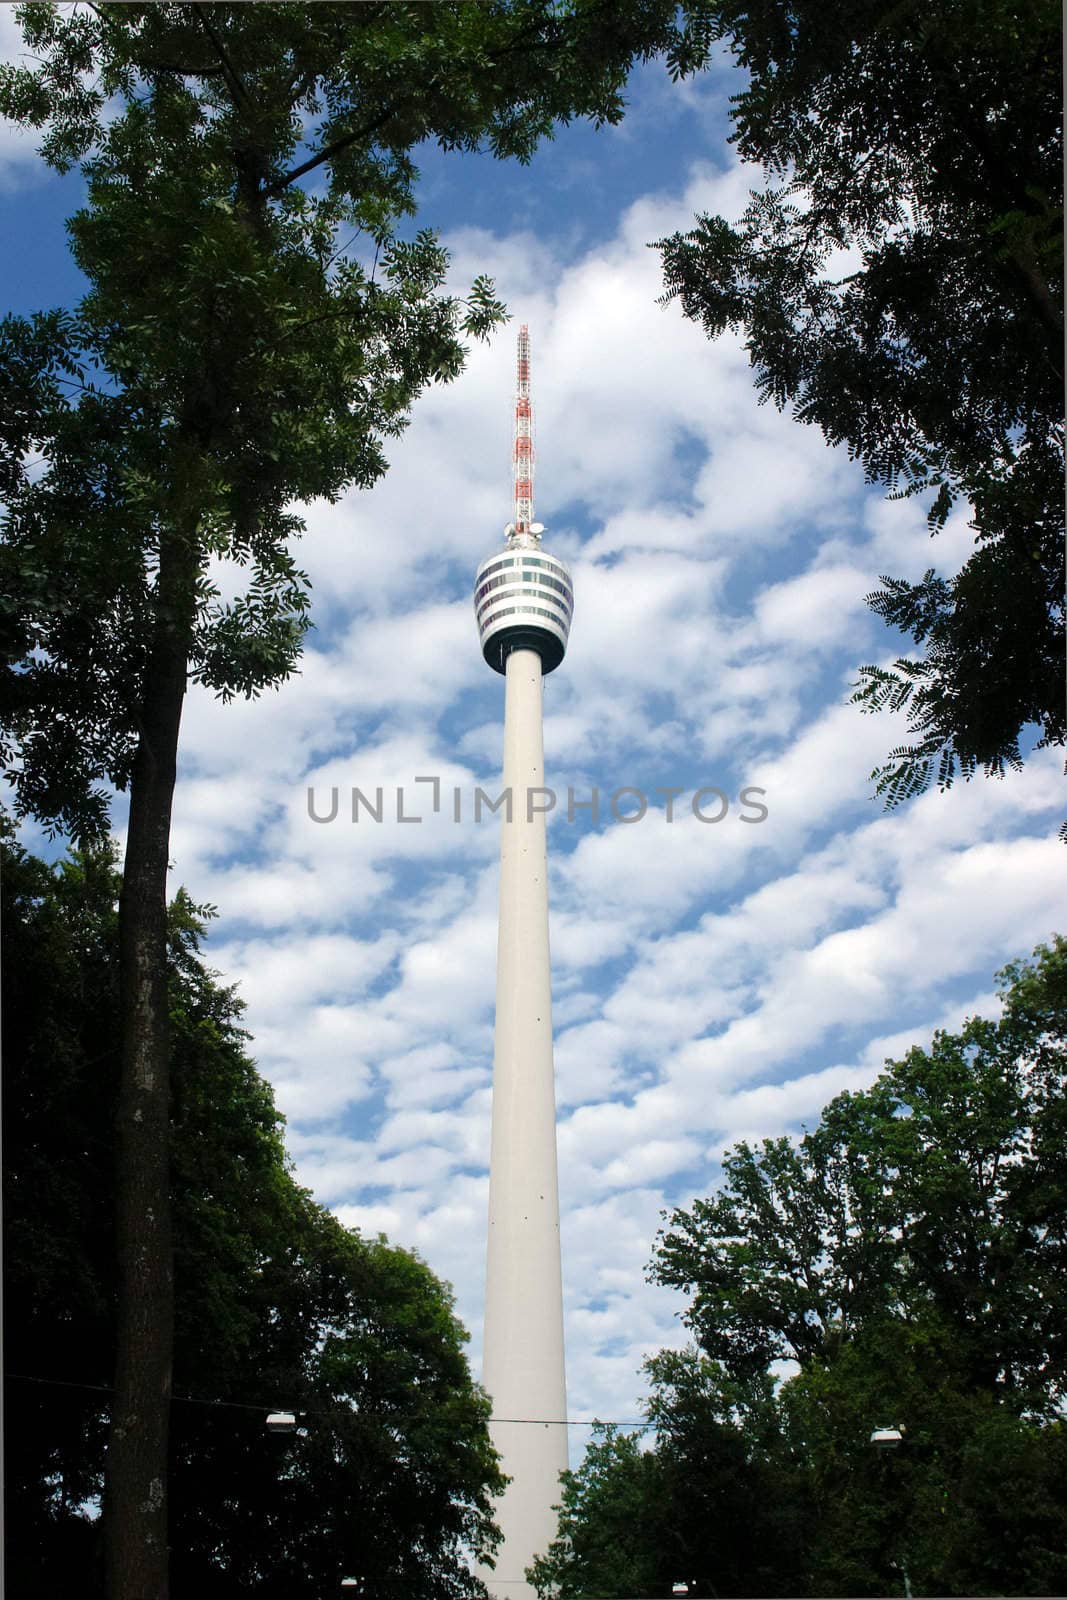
[
  {"x": 523, "y": 597},
  {"x": 524, "y": 527}
]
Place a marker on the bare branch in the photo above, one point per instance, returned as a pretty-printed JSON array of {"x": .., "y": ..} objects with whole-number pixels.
[
  {"x": 229, "y": 71},
  {"x": 330, "y": 150}
]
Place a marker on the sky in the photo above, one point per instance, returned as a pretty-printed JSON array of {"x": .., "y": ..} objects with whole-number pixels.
[{"x": 714, "y": 980}]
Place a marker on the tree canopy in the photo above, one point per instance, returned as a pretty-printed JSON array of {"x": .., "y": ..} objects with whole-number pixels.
[
  {"x": 906, "y": 1258},
  {"x": 939, "y": 1195},
  {"x": 277, "y": 1305},
  {"x": 714, "y": 1501},
  {"x": 925, "y": 141}
]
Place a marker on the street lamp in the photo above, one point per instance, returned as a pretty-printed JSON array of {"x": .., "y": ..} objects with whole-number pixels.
[
  {"x": 281, "y": 1422},
  {"x": 887, "y": 1438},
  {"x": 890, "y": 1439}
]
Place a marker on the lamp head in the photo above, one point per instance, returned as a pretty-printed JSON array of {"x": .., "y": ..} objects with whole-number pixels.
[{"x": 887, "y": 1438}]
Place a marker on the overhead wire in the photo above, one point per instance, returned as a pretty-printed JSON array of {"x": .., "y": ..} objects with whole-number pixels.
[{"x": 321, "y": 1411}]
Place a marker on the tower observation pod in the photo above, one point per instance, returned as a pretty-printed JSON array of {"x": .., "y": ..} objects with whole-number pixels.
[
  {"x": 522, "y": 595},
  {"x": 522, "y": 601}
]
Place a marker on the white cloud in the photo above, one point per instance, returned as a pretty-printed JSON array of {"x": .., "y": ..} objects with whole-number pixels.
[{"x": 712, "y": 981}]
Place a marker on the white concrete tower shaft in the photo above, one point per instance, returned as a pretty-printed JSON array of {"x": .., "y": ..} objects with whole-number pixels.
[
  {"x": 524, "y": 1361},
  {"x": 523, "y": 601}
]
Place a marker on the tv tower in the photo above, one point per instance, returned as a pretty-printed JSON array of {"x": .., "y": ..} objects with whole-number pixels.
[{"x": 522, "y": 601}]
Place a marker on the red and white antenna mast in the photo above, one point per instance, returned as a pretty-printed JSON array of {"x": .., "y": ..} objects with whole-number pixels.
[{"x": 524, "y": 527}]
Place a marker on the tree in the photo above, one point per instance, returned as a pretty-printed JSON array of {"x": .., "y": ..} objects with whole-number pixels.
[
  {"x": 908, "y": 1254},
  {"x": 926, "y": 141},
  {"x": 940, "y": 1190},
  {"x": 390, "y": 1478},
  {"x": 739, "y": 1500},
  {"x": 612, "y": 1514},
  {"x": 59, "y": 1008},
  {"x": 277, "y": 1304},
  {"x": 715, "y": 1501},
  {"x": 234, "y": 353},
  {"x": 971, "y": 1503}
]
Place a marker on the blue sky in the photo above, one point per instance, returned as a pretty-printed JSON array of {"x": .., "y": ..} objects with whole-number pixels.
[{"x": 712, "y": 981}]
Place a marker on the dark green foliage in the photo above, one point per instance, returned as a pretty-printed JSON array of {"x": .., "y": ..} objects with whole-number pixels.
[
  {"x": 717, "y": 1503},
  {"x": 740, "y": 1505},
  {"x": 928, "y": 1503},
  {"x": 277, "y": 1305},
  {"x": 926, "y": 139},
  {"x": 940, "y": 1192},
  {"x": 613, "y": 1512},
  {"x": 58, "y": 1073},
  {"x": 908, "y": 1255},
  {"x": 390, "y": 1481}
]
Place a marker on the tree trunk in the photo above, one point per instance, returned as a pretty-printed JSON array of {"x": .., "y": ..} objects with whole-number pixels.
[{"x": 135, "y": 1491}]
